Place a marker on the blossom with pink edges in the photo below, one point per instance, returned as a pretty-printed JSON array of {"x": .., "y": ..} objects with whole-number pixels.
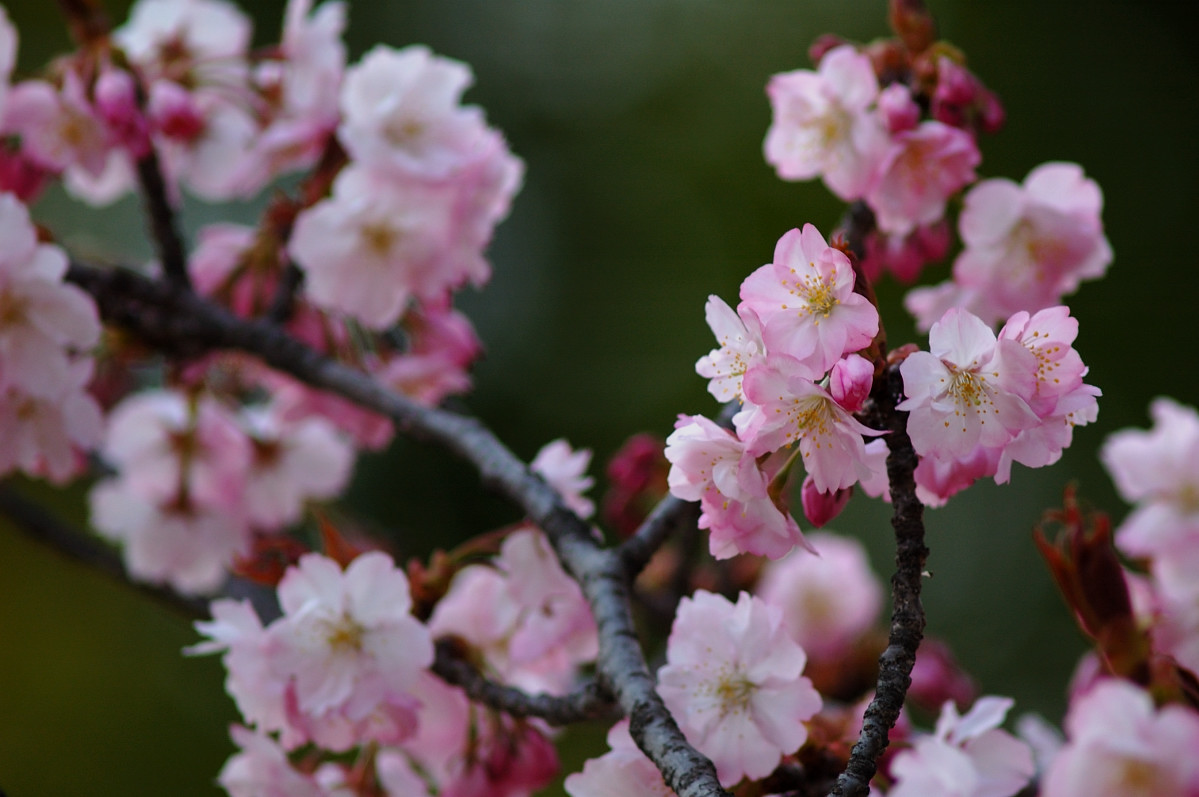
[
  {"x": 806, "y": 302},
  {"x": 566, "y": 471},
  {"x": 1120, "y": 745},
  {"x": 260, "y": 768},
  {"x": 733, "y": 681},
  {"x": 824, "y": 126}
]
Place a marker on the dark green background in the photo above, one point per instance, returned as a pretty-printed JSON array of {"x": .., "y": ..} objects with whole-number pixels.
[{"x": 641, "y": 122}]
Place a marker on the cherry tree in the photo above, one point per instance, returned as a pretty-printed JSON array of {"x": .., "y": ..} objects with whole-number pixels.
[{"x": 213, "y": 403}]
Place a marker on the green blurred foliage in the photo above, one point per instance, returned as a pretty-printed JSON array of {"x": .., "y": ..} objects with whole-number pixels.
[{"x": 641, "y": 122}]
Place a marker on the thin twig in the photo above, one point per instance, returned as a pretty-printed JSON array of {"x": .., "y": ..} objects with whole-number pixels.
[
  {"x": 164, "y": 228},
  {"x": 907, "y": 617},
  {"x": 590, "y": 702},
  {"x": 179, "y": 321}
]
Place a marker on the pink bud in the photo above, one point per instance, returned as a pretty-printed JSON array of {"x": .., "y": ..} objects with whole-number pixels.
[
  {"x": 819, "y": 508},
  {"x": 850, "y": 381},
  {"x": 899, "y": 110},
  {"x": 116, "y": 103},
  {"x": 174, "y": 112}
]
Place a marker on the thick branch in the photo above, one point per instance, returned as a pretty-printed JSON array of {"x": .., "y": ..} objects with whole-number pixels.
[
  {"x": 178, "y": 321},
  {"x": 591, "y": 702},
  {"x": 907, "y": 618}
]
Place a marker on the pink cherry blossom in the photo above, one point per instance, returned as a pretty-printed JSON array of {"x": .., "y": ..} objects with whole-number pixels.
[
  {"x": 968, "y": 756},
  {"x": 45, "y": 435},
  {"x": 806, "y": 302},
  {"x": 402, "y": 112},
  {"x": 164, "y": 442},
  {"x": 969, "y": 390},
  {"x": 1158, "y": 470},
  {"x": 261, "y": 768},
  {"x": 823, "y": 125},
  {"x": 289, "y": 464},
  {"x": 566, "y": 471},
  {"x": 904, "y": 256},
  {"x": 375, "y": 244},
  {"x": 182, "y": 543},
  {"x": 733, "y": 681},
  {"x": 788, "y": 408},
  {"x": 351, "y": 647},
  {"x": 525, "y": 615},
  {"x": 829, "y": 600},
  {"x": 59, "y": 127},
  {"x": 1026, "y": 246},
  {"x": 710, "y": 465},
  {"x": 192, "y": 41},
  {"x": 623, "y": 771},
  {"x": 1119, "y": 745},
  {"x": 740, "y": 337},
  {"x": 921, "y": 169},
  {"x": 42, "y": 319},
  {"x": 252, "y": 682}
]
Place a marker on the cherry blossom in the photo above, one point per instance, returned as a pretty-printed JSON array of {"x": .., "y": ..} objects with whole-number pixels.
[
  {"x": 566, "y": 471},
  {"x": 806, "y": 302},
  {"x": 740, "y": 337},
  {"x": 733, "y": 681},
  {"x": 261, "y": 768},
  {"x": 921, "y": 169},
  {"x": 290, "y": 463},
  {"x": 351, "y": 648},
  {"x": 711, "y": 465},
  {"x": 969, "y": 390},
  {"x": 828, "y": 600},
  {"x": 192, "y": 41},
  {"x": 172, "y": 540},
  {"x": 788, "y": 408},
  {"x": 45, "y": 435},
  {"x": 42, "y": 320},
  {"x": 823, "y": 125},
  {"x": 1025, "y": 246},
  {"x": 1119, "y": 745},
  {"x": 623, "y": 771},
  {"x": 967, "y": 756},
  {"x": 402, "y": 112}
]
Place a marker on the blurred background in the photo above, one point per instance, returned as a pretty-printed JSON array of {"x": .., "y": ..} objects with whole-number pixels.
[{"x": 641, "y": 124}]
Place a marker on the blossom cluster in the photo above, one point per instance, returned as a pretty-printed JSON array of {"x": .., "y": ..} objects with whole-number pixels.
[
  {"x": 907, "y": 147},
  {"x": 788, "y": 354}
]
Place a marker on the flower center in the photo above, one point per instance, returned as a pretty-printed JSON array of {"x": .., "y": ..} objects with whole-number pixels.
[{"x": 344, "y": 635}]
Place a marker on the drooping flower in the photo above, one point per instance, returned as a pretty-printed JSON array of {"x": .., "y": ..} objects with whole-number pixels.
[
  {"x": 733, "y": 681},
  {"x": 566, "y": 471}
]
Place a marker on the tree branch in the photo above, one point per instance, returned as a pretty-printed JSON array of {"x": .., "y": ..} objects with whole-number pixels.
[
  {"x": 591, "y": 702},
  {"x": 164, "y": 229},
  {"x": 176, "y": 320},
  {"x": 907, "y": 617}
]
